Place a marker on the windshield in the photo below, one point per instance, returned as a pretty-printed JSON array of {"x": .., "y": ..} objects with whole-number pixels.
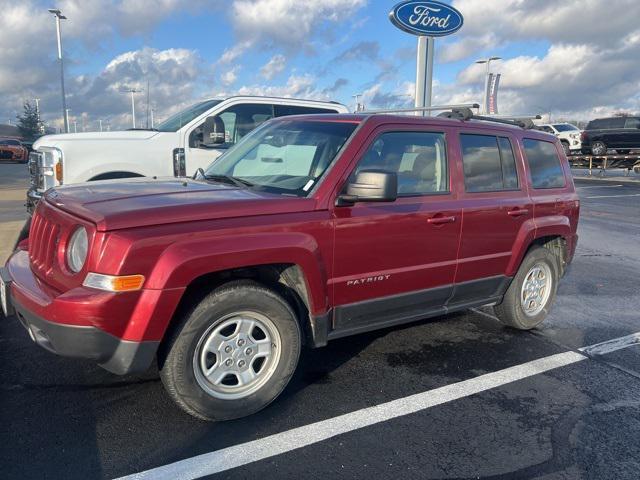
[
  {"x": 565, "y": 127},
  {"x": 286, "y": 157},
  {"x": 177, "y": 121},
  {"x": 9, "y": 142}
]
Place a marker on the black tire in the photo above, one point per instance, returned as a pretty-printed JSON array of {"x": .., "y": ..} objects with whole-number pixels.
[
  {"x": 24, "y": 232},
  {"x": 623, "y": 152},
  {"x": 565, "y": 147},
  {"x": 511, "y": 311},
  {"x": 598, "y": 148},
  {"x": 177, "y": 357}
]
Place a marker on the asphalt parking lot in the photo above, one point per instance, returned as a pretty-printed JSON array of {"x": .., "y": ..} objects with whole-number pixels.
[{"x": 454, "y": 397}]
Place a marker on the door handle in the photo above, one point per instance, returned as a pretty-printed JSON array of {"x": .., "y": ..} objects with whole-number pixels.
[
  {"x": 441, "y": 220},
  {"x": 518, "y": 212}
]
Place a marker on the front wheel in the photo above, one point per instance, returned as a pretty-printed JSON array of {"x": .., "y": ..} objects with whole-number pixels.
[
  {"x": 233, "y": 354},
  {"x": 598, "y": 148},
  {"x": 532, "y": 291}
]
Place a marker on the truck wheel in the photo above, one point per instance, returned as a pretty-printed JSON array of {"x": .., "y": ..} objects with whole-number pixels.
[
  {"x": 598, "y": 148},
  {"x": 532, "y": 291},
  {"x": 565, "y": 147},
  {"x": 233, "y": 353}
]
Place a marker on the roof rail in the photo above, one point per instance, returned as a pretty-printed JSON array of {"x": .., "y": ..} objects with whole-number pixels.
[
  {"x": 522, "y": 121},
  {"x": 424, "y": 109}
]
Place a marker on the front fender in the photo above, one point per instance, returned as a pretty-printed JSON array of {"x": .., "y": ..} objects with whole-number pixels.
[{"x": 183, "y": 262}]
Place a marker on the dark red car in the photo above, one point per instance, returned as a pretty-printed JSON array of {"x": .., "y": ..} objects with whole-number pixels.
[
  {"x": 312, "y": 228},
  {"x": 12, "y": 150}
]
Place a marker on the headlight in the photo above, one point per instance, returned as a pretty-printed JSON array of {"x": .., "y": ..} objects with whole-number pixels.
[{"x": 77, "y": 249}]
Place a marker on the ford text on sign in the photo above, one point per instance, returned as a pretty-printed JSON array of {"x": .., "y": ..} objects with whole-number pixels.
[{"x": 428, "y": 18}]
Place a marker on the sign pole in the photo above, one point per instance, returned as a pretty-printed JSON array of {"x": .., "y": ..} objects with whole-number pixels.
[
  {"x": 426, "y": 19},
  {"x": 424, "y": 72}
]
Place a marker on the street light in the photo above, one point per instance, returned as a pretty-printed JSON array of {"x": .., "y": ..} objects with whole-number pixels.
[
  {"x": 356, "y": 97},
  {"x": 66, "y": 118},
  {"x": 133, "y": 105},
  {"x": 58, "y": 14},
  {"x": 487, "y": 61}
]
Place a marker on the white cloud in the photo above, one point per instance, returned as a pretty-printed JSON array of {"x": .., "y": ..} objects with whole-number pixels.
[
  {"x": 289, "y": 23},
  {"x": 273, "y": 67},
  {"x": 568, "y": 21},
  {"x": 298, "y": 86},
  {"x": 174, "y": 76},
  {"x": 229, "y": 77},
  {"x": 464, "y": 48}
]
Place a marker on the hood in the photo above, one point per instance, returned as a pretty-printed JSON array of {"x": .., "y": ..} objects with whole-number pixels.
[
  {"x": 53, "y": 140},
  {"x": 117, "y": 204}
]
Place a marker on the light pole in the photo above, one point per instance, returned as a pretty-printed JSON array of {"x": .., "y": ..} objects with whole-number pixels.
[
  {"x": 58, "y": 14},
  {"x": 486, "y": 61},
  {"x": 66, "y": 119},
  {"x": 133, "y": 104},
  {"x": 356, "y": 97},
  {"x": 100, "y": 122},
  {"x": 152, "y": 111}
]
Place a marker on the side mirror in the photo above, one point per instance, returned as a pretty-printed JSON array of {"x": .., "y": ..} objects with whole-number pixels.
[
  {"x": 371, "y": 186},
  {"x": 213, "y": 131}
]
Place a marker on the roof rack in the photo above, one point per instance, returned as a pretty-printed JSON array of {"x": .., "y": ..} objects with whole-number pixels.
[
  {"x": 464, "y": 112},
  {"x": 522, "y": 121},
  {"x": 425, "y": 109}
]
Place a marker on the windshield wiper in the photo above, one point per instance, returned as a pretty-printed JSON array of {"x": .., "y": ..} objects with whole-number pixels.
[{"x": 238, "y": 182}]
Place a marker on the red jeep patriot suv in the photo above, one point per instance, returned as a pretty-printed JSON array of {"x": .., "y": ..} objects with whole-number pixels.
[{"x": 310, "y": 229}]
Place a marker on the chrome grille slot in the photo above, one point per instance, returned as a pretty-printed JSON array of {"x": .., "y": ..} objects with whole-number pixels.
[{"x": 42, "y": 243}]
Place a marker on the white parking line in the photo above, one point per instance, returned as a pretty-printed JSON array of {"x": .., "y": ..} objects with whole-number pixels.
[
  {"x": 612, "y": 345},
  {"x": 279, "y": 443},
  {"x": 615, "y": 196}
]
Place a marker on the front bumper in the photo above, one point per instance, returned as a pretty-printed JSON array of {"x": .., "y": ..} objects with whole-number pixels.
[
  {"x": 44, "y": 315},
  {"x": 33, "y": 197},
  {"x": 111, "y": 353}
]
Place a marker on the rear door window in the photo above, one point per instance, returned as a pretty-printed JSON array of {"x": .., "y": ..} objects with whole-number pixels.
[
  {"x": 632, "y": 122},
  {"x": 284, "y": 110},
  {"x": 488, "y": 162},
  {"x": 241, "y": 119},
  {"x": 544, "y": 164}
]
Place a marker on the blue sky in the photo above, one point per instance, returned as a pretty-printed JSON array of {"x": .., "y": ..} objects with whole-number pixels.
[{"x": 329, "y": 50}]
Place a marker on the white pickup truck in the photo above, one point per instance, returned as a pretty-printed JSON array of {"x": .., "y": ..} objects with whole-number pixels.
[{"x": 186, "y": 141}]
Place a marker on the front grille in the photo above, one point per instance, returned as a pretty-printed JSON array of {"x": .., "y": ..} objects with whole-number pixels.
[
  {"x": 43, "y": 239},
  {"x": 35, "y": 164}
]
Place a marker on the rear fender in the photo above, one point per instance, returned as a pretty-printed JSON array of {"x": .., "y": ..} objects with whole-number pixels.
[
  {"x": 554, "y": 225},
  {"x": 183, "y": 262}
]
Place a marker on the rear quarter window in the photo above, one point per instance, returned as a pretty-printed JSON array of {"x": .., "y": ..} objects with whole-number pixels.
[{"x": 544, "y": 164}]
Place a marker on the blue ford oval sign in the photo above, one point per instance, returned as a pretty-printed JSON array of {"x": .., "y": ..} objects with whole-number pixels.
[{"x": 428, "y": 18}]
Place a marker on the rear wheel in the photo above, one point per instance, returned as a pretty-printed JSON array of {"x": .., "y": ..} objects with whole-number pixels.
[
  {"x": 233, "y": 353},
  {"x": 532, "y": 292},
  {"x": 598, "y": 148}
]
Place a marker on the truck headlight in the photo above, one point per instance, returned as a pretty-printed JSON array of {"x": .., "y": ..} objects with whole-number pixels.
[{"x": 77, "y": 249}]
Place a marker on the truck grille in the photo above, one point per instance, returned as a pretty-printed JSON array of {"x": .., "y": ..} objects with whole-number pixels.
[
  {"x": 35, "y": 164},
  {"x": 43, "y": 239}
]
